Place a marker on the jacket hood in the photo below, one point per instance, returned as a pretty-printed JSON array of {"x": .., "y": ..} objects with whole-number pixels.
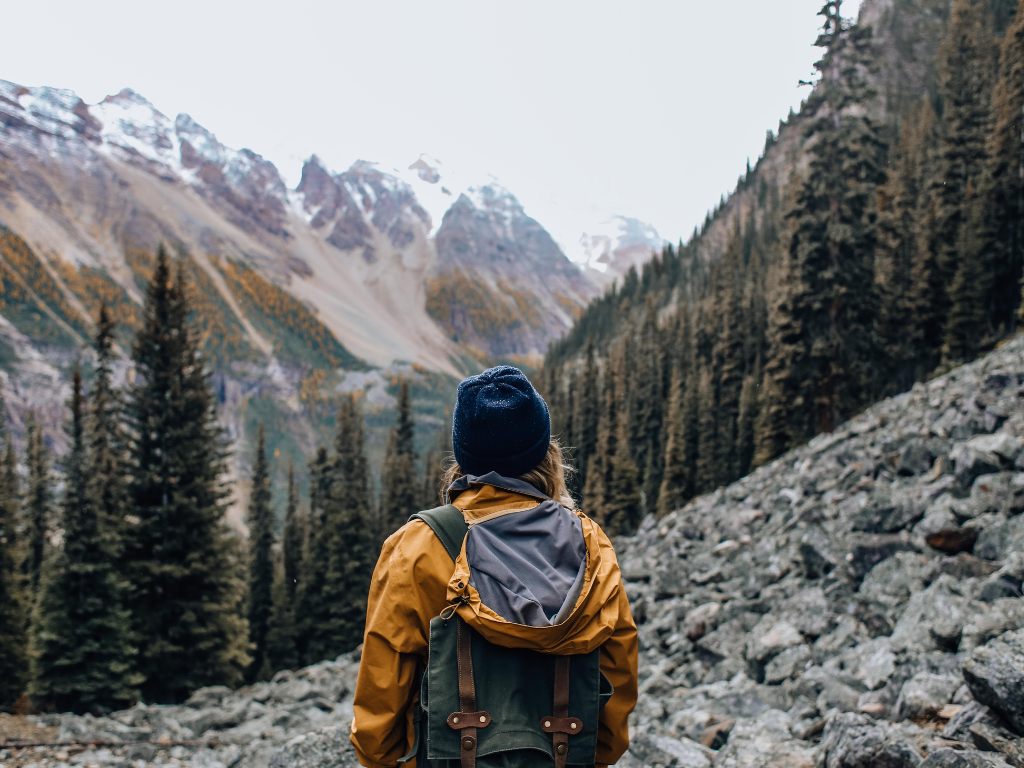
[{"x": 531, "y": 573}]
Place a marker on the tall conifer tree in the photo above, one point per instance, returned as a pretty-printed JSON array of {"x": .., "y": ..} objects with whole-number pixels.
[
  {"x": 400, "y": 495},
  {"x": 39, "y": 502},
  {"x": 965, "y": 80},
  {"x": 107, "y": 482},
  {"x": 294, "y": 537},
  {"x": 353, "y": 550},
  {"x": 82, "y": 657},
  {"x": 1005, "y": 190},
  {"x": 261, "y": 560},
  {"x": 188, "y": 574},
  {"x": 829, "y": 255},
  {"x": 13, "y": 603},
  {"x": 311, "y": 608},
  {"x": 622, "y": 511}
]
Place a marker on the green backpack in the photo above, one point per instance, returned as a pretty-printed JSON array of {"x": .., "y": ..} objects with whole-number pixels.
[{"x": 493, "y": 707}]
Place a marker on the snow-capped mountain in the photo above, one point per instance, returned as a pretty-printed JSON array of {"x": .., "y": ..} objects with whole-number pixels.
[
  {"x": 618, "y": 244},
  {"x": 85, "y": 182}
]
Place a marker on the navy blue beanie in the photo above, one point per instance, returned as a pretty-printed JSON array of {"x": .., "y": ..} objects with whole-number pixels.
[{"x": 501, "y": 424}]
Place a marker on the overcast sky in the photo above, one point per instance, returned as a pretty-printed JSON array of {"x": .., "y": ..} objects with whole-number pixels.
[{"x": 583, "y": 108}]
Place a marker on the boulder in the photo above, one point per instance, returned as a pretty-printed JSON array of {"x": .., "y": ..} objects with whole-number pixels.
[
  {"x": 968, "y": 758},
  {"x": 1008, "y": 581},
  {"x": 959, "y": 726},
  {"x": 327, "y": 748},
  {"x": 972, "y": 462},
  {"x": 856, "y": 741},
  {"x": 1001, "y": 444},
  {"x": 998, "y": 540},
  {"x": 925, "y": 694},
  {"x": 995, "y": 675},
  {"x": 933, "y": 619}
]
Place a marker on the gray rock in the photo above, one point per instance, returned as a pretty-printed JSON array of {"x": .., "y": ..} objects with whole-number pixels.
[
  {"x": 787, "y": 664},
  {"x": 997, "y": 541},
  {"x": 959, "y": 727},
  {"x": 925, "y": 694},
  {"x": 968, "y": 758},
  {"x": 765, "y": 742},
  {"x": 995, "y": 674},
  {"x": 210, "y": 696},
  {"x": 993, "y": 739},
  {"x": 972, "y": 462},
  {"x": 933, "y": 619},
  {"x": 1001, "y": 444},
  {"x": 659, "y": 750},
  {"x": 327, "y": 748},
  {"x": 1008, "y": 581},
  {"x": 1001, "y": 616},
  {"x": 856, "y": 741}
]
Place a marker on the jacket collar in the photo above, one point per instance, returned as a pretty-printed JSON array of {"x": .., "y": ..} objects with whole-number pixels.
[{"x": 514, "y": 485}]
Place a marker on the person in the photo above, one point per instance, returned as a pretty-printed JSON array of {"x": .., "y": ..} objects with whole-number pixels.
[{"x": 498, "y": 630}]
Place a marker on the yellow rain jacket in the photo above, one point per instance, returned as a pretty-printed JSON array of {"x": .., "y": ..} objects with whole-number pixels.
[{"x": 414, "y": 581}]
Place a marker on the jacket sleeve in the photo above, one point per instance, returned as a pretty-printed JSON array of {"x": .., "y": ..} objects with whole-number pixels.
[
  {"x": 407, "y": 590},
  {"x": 619, "y": 664}
]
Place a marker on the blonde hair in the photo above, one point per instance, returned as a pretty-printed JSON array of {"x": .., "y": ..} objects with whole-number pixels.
[{"x": 549, "y": 476}]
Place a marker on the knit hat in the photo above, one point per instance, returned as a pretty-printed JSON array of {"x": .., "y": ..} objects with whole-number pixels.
[{"x": 501, "y": 424}]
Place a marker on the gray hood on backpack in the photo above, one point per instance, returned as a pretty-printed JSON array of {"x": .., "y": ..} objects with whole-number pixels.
[{"x": 527, "y": 564}]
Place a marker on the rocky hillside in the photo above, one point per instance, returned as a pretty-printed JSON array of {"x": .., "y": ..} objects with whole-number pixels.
[{"x": 858, "y": 602}]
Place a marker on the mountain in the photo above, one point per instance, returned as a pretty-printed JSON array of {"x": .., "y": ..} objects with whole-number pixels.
[
  {"x": 619, "y": 244},
  {"x": 856, "y": 602},
  {"x": 502, "y": 283},
  {"x": 346, "y": 282}
]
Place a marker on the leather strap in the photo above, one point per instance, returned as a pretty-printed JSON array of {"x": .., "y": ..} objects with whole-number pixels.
[
  {"x": 560, "y": 725},
  {"x": 468, "y": 719}
]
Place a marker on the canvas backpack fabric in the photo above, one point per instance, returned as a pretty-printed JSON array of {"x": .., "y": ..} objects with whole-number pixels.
[{"x": 525, "y": 708}]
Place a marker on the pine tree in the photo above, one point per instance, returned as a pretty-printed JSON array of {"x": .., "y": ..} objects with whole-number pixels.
[
  {"x": 261, "y": 560},
  {"x": 311, "y": 609},
  {"x": 828, "y": 259},
  {"x": 294, "y": 538},
  {"x": 82, "y": 657},
  {"x": 903, "y": 317},
  {"x": 281, "y": 649},
  {"x": 965, "y": 80},
  {"x": 586, "y": 413},
  {"x": 13, "y": 638},
  {"x": 399, "y": 497},
  {"x": 38, "y": 503},
  {"x": 675, "y": 478},
  {"x": 968, "y": 319},
  {"x": 729, "y": 362},
  {"x": 187, "y": 568},
  {"x": 745, "y": 435},
  {"x": 648, "y": 395},
  {"x": 353, "y": 550},
  {"x": 1005, "y": 190},
  {"x": 707, "y": 465},
  {"x": 622, "y": 513}
]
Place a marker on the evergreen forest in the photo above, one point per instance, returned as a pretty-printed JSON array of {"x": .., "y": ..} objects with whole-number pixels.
[
  {"x": 125, "y": 582},
  {"x": 887, "y": 250}
]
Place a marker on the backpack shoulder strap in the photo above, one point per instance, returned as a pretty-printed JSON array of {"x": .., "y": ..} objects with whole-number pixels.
[{"x": 448, "y": 525}]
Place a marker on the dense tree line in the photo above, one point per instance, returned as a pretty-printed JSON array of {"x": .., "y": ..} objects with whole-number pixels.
[
  {"x": 131, "y": 586},
  {"x": 893, "y": 252}
]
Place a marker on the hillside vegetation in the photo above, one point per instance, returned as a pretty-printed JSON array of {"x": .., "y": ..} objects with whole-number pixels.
[{"x": 877, "y": 241}]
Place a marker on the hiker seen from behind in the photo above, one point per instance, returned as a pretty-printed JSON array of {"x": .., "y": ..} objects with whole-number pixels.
[{"x": 498, "y": 631}]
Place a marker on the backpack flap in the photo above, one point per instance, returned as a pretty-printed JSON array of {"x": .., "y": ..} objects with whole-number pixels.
[{"x": 514, "y": 686}]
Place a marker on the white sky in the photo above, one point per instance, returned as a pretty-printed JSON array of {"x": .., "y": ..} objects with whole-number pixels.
[{"x": 583, "y": 108}]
